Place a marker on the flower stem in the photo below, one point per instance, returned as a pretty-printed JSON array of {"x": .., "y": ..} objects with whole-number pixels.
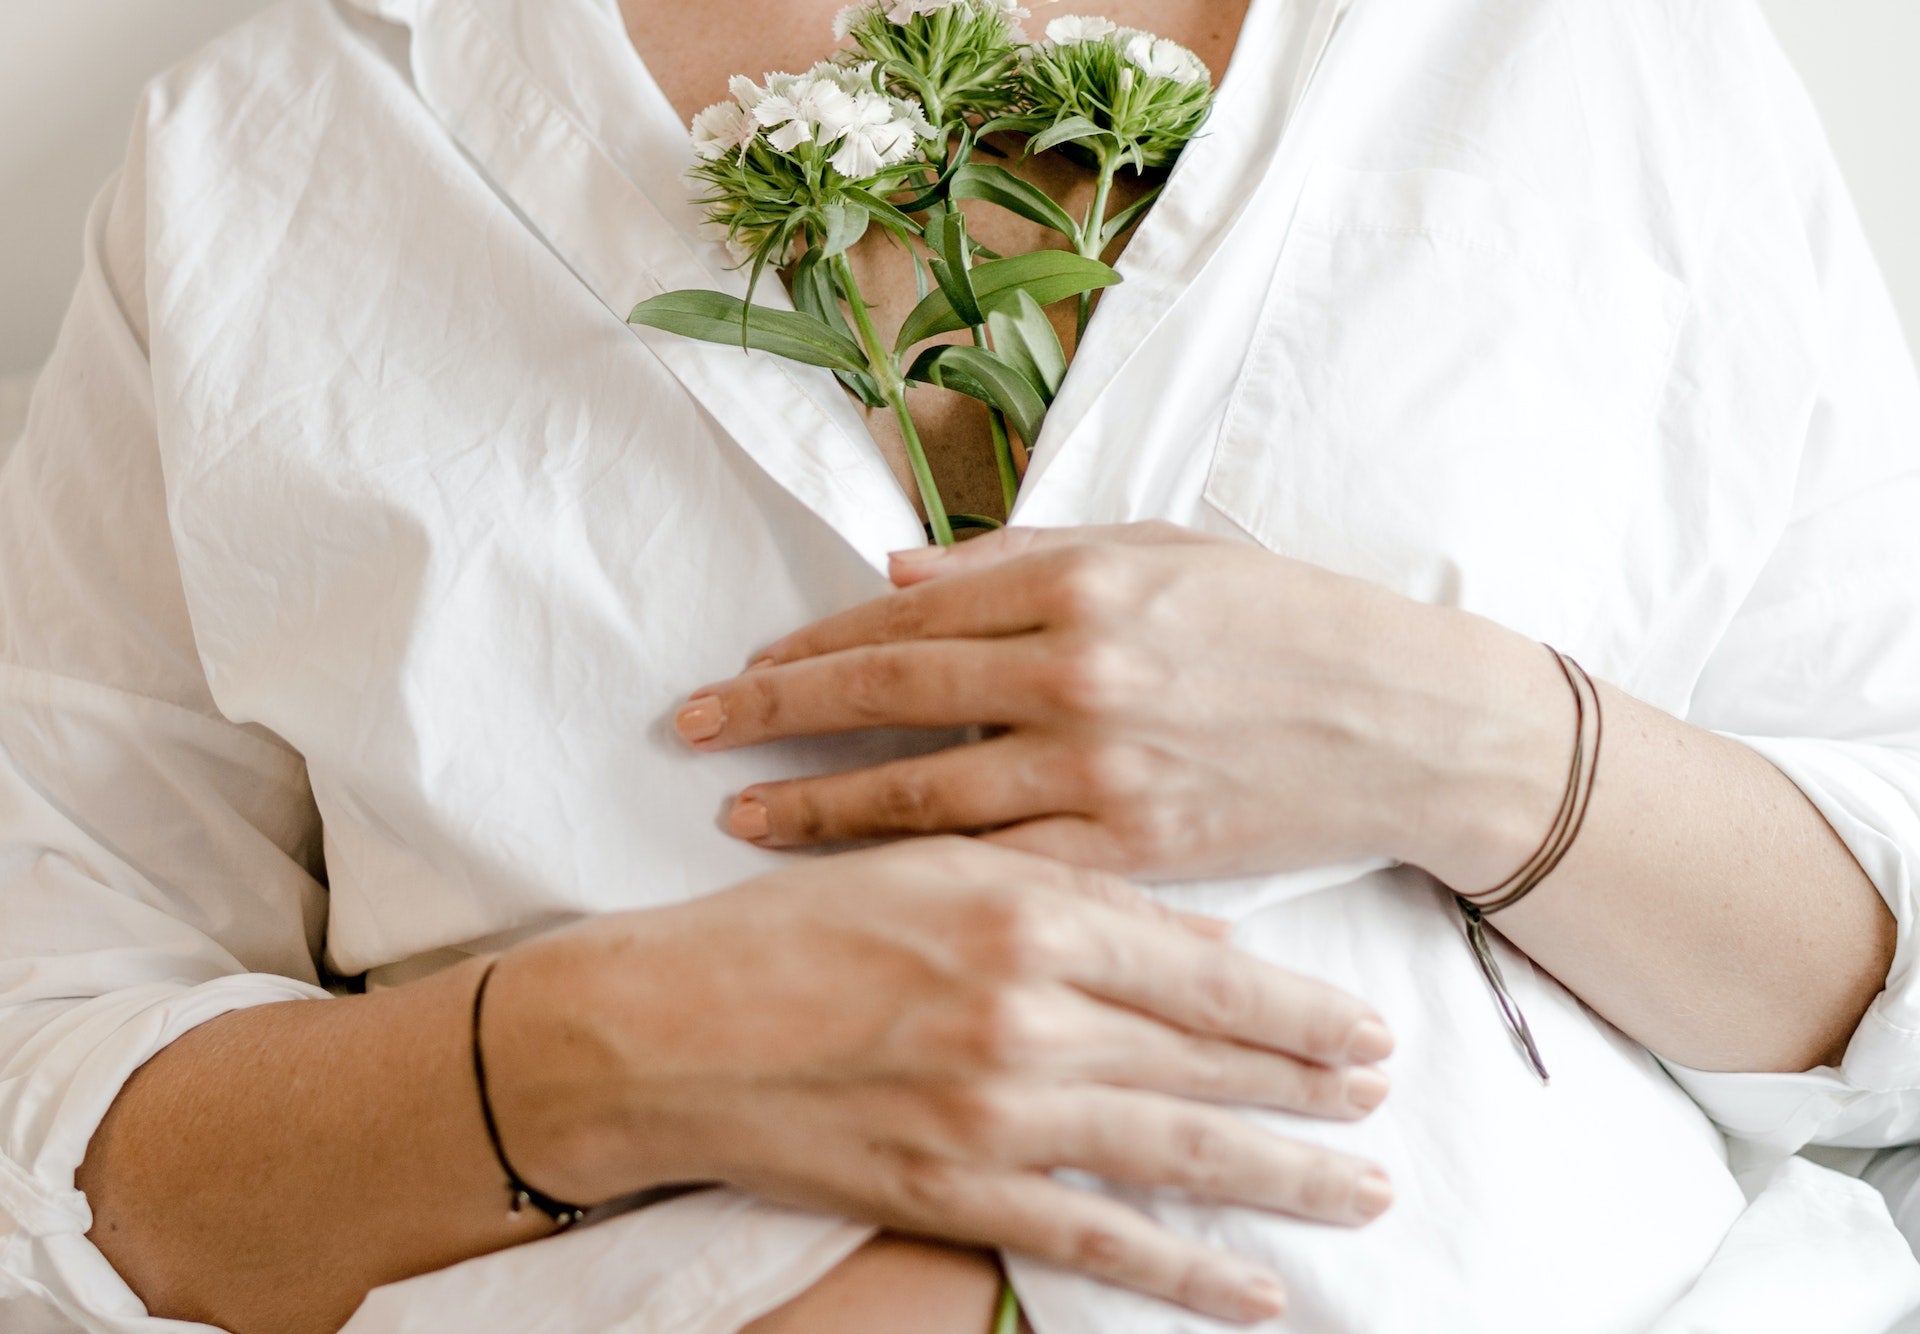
[
  {"x": 1002, "y": 447},
  {"x": 885, "y": 368},
  {"x": 1090, "y": 230}
]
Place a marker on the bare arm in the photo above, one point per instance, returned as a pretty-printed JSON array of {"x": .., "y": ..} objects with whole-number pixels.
[
  {"x": 1174, "y": 705},
  {"x": 917, "y": 1035},
  {"x": 269, "y": 1168},
  {"x": 1706, "y": 907}
]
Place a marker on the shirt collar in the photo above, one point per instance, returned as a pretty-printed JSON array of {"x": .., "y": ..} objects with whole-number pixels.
[{"x": 549, "y": 100}]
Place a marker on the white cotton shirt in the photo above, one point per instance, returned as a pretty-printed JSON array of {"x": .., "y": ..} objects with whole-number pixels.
[{"x": 356, "y": 554}]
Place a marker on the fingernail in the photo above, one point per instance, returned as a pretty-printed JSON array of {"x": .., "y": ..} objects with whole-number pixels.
[
  {"x": 759, "y": 663},
  {"x": 1372, "y": 1195},
  {"x": 1366, "y": 1088},
  {"x": 748, "y": 819},
  {"x": 1262, "y": 1299},
  {"x": 700, "y": 719},
  {"x": 917, "y": 555},
  {"x": 1370, "y": 1042}
]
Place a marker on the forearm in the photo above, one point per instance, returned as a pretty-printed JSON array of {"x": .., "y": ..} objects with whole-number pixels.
[
  {"x": 272, "y": 1166},
  {"x": 1706, "y": 907}
]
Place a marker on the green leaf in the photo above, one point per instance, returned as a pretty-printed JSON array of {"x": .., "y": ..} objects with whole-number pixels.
[
  {"x": 937, "y": 190},
  {"x": 1023, "y": 337},
  {"x": 815, "y": 293},
  {"x": 715, "y": 317},
  {"x": 1127, "y": 216},
  {"x": 881, "y": 210},
  {"x": 1020, "y": 123},
  {"x": 1046, "y": 276},
  {"x": 981, "y": 522},
  {"x": 950, "y": 270},
  {"x": 980, "y": 374},
  {"x": 1069, "y": 131},
  {"x": 846, "y": 224},
  {"x": 997, "y": 185}
]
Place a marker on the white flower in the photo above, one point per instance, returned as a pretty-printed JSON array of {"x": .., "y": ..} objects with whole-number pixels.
[
  {"x": 877, "y": 137},
  {"x": 848, "y": 16},
  {"x": 1075, "y": 28},
  {"x": 903, "y": 12},
  {"x": 1161, "y": 59},
  {"x": 800, "y": 109},
  {"x": 722, "y": 128}
]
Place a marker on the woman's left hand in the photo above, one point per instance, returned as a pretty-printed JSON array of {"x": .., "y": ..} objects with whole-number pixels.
[{"x": 1163, "y": 704}]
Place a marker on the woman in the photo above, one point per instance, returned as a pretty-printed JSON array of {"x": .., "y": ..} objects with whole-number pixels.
[{"x": 357, "y": 555}]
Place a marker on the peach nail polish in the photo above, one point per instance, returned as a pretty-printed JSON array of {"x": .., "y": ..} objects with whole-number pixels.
[
  {"x": 1366, "y": 1088},
  {"x": 700, "y": 719},
  {"x": 917, "y": 555},
  {"x": 1370, "y": 1042},
  {"x": 1372, "y": 1195},
  {"x": 748, "y": 819}
]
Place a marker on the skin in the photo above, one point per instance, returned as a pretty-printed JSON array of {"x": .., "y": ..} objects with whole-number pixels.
[
  {"x": 915, "y": 1034},
  {"x": 1173, "y": 705}
]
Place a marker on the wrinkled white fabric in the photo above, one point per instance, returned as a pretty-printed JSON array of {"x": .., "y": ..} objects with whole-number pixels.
[{"x": 353, "y": 529}]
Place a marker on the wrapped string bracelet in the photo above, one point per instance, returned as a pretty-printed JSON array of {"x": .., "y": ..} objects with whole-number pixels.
[{"x": 1560, "y": 836}]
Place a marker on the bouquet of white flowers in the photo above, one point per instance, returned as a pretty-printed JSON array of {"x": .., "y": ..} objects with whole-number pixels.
[{"x": 799, "y": 167}]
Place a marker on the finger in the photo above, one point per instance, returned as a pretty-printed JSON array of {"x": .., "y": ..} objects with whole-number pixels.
[
  {"x": 918, "y": 564},
  {"x": 942, "y": 683},
  {"x": 1089, "y": 1233},
  {"x": 1216, "y": 990},
  {"x": 1147, "y": 1139},
  {"x": 1012, "y": 777},
  {"x": 1067, "y": 837},
  {"x": 1058, "y": 1033},
  {"x": 1104, "y": 936},
  {"x": 984, "y": 604},
  {"x": 1121, "y": 1047}
]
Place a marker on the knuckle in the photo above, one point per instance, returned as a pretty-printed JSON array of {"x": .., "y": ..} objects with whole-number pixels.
[
  {"x": 1022, "y": 936},
  {"x": 798, "y": 813},
  {"x": 1225, "y": 999},
  {"x": 1204, "y": 1153},
  {"x": 1111, "y": 773},
  {"x": 1154, "y": 835},
  {"x": 903, "y": 616},
  {"x": 1096, "y": 1248},
  {"x": 907, "y": 800},
  {"x": 1325, "y": 1029},
  {"x": 1006, "y": 1030},
  {"x": 871, "y": 684},
  {"x": 926, "y": 1187},
  {"x": 1091, "y": 679},
  {"x": 1319, "y": 1090},
  {"x": 1084, "y": 585},
  {"x": 1320, "y": 1188}
]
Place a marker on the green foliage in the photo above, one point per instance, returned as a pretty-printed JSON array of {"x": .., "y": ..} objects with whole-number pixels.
[
  {"x": 961, "y": 62},
  {"x": 715, "y": 317}
]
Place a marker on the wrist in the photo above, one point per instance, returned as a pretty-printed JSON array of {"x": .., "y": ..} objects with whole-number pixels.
[
  {"x": 1493, "y": 769},
  {"x": 559, "y": 1072}
]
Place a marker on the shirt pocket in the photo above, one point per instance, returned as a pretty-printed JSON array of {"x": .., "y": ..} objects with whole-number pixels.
[{"x": 1452, "y": 391}]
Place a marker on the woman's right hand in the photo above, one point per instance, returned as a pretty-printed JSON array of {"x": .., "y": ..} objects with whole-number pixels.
[{"x": 917, "y": 1035}]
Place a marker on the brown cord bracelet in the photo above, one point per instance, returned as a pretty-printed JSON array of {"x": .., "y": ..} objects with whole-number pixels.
[{"x": 1560, "y": 836}]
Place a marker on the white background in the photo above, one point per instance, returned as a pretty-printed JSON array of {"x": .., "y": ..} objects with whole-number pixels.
[{"x": 70, "y": 71}]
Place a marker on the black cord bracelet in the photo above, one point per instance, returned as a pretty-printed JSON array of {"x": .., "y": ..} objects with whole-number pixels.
[{"x": 519, "y": 1193}]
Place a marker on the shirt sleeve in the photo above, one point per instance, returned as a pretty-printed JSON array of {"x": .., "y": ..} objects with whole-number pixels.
[
  {"x": 1820, "y": 669},
  {"x": 159, "y": 864}
]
